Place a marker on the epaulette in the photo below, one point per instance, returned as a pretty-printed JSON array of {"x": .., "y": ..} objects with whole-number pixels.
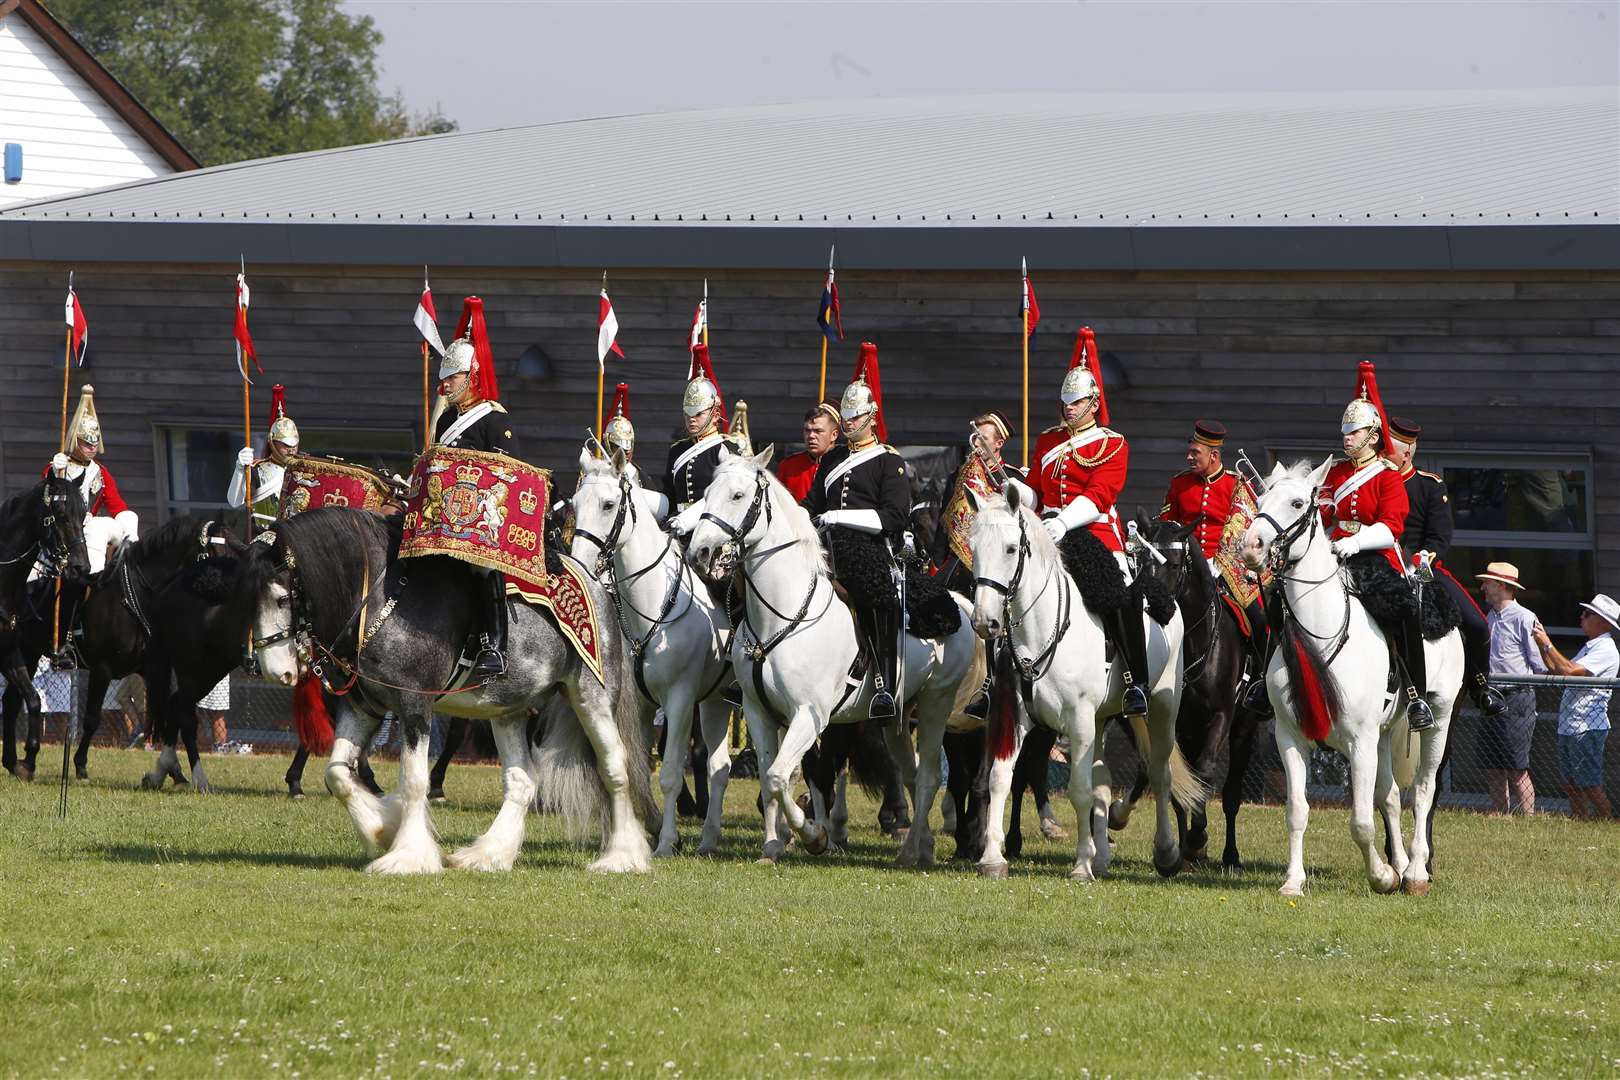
[
  {"x": 1436, "y": 477},
  {"x": 497, "y": 406},
  {"x": 1054, "y": 429}
]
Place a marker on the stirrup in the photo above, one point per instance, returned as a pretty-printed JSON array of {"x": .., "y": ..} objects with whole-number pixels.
[
  {"x": 1134, "y": 702},
  {"x": 1255, "y": 698},
  {"x": 978, "y": 705},
  {"x": 1419, "y": 717},
  {"x": 489, "y": 664},
  {"x": 1487, "y": 697},
  {"x": 882, "y": 706},
  {"x": 732, "y": 695}
]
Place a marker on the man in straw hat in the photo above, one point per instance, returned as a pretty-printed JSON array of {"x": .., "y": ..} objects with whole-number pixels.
[
  {"x": 1504, "y": 745},
  {"x": 1583, "y": 714}
]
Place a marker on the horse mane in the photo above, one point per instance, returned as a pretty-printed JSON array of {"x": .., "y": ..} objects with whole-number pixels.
[
  {"x": 174, "y": 540},
  {"x": 797, "y": 517},
  {"x": 995, "y": 512},
  {"x": 1315, "y": 695},
  {"x": 331, "y": 546}
]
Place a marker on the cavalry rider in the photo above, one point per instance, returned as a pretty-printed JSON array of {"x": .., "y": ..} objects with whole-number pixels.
[
  {"x": 108, "y": 520},
  {"x": 860, "y": 498},
  {"x": 1207, "y": 493},
  {"x": 1080, "y": 469},
  {"x": 1363, "y": 501},
  {"x": 1427, "y": 536},
  {"x": 268, "y": 472},
  {"x": 619, "y": 436},
  {"x": 476, "y": 420},
  {"x": 692, "y": 460},
  {"x": 798, "y": 471}
]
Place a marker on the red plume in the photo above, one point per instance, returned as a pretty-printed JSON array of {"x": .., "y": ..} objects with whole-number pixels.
[
  {"x": 621, "y": 401},
  {"x": 1085, "y": 352},
  {"x": 310, "y": 719},
  {"x": 278, "y": 403},
  {"x": 702, "y": 365},
  {"x": 866, "y": 366},
  {"x": 483, "y": 372},
  {"x": 1367, "y": 385}
]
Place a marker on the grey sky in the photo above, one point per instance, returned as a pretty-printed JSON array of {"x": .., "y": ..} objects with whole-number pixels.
[{"x": 495, "y": 63}]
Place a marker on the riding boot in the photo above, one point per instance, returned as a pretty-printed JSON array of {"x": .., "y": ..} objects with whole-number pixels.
[
  {"x": 1419, "y": 716},
  {"x": 1258, "y": 647},
  {"x": 978, "y": 706},
  {"x": 491, "y": 660},
  {"x": 885, "y": 633},
  {"x": 1124, "y": 627},
  {"x": 1476, "y": 665}
]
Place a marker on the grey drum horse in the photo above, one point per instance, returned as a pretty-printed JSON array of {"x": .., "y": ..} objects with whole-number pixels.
[{"x": 328, "y": 586}]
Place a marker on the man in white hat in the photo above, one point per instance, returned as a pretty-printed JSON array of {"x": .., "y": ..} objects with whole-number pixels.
[
  {"x": 1504, "y": 745},
  {"x": 1583, "y": 714}
]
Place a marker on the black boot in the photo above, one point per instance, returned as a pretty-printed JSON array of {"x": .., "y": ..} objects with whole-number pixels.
[
  {"x": 1419, "y": 717},
  {"x": 1130, "y": 649},
  {"x": 1476, "y": 651},
  {"x": 883, "y": 636},
  {"x": 978, "y": 706},
  {"x": 491, "y": 660}
]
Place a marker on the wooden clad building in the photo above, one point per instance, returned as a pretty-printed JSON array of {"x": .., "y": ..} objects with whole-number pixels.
[{"x": 1495, "y": 322}]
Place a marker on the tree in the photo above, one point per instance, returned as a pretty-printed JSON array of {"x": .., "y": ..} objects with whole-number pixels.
[{"x": 239, "y": 79}]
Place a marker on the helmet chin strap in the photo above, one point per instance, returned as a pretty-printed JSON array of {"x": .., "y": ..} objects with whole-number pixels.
[
  {"x": 1360, "y": 452},
  {"x": 863, "y": 434}
]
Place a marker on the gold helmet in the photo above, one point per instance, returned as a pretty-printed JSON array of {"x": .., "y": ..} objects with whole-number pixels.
[
  {"x": 1366, "y": 410},
  {"x": 86, "y": 426},
  {"x": 1078, "y": 385},
  {"x": 458, "y": 358},
  {"x": 282, "y": 428},
  {"x": 618, "y": 433},
  {"x": 857, "y": 401}
]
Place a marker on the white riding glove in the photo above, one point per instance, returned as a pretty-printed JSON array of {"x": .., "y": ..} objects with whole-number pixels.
[
  {"x": 684, "y": 522},
  {"x": 129, "y": 525},
  {"x": 59, "y": 464},
  {"x": 866, "y": 521},
  {"x": 1026, "y": 494},
  {"x": 244, "y": 457},
  {"x": 1374, "y": 537},
  {"x": 1082, "y": 511},
  {"x": 1346, "y": 546},
  {"x": 655, "y": 503},
  {"x": 1055, "y": 528}
]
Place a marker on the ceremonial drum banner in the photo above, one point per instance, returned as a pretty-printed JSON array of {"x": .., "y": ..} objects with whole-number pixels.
[
  {"x": 1229, "y": 556},
  {"x": 312, "y": 482},
  {"x": 490, "y": 510},
  {"x": 959, "y": 517}
]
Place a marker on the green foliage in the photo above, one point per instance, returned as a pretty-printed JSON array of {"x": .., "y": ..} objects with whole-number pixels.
[
  {"x": 240, "y": 79},
  {"x": 236, "y": 935}
]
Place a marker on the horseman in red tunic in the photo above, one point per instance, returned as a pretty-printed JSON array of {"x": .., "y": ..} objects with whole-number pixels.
[
  {"x": 108, "y": 521},
  {"x": 1078, "y": 471},
  {"x": 1207, "y": 493},
  {"x": 1364, "y": 505},
  {"x": 798, "y": 471}
]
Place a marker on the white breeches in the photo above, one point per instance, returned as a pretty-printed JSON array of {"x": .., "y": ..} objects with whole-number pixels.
[{"x": 101, "y": 533}]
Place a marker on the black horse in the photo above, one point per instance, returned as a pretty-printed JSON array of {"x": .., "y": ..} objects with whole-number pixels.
[
  {"x": 967, "y": 783},
  {"x": 1211, "y": 719},
  {"x": 43, "y": 527}
]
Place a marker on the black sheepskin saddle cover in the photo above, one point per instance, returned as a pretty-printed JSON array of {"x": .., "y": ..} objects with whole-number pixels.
[
  {"x": 1101, "y": 585},
  {"x": 1390, "y": 600},
  {"x": 861, "y": 564}
]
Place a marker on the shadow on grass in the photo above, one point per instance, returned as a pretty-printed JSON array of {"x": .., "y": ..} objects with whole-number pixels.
[{"x": 148, "y": 854}]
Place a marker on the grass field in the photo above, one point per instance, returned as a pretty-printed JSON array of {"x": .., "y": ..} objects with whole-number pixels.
[{"x": 234, "y": 935}]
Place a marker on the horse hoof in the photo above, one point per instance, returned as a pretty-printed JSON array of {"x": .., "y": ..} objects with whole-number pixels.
[
  {"x": 25, "y": 774},
  {"x": 151, "y": 783},
  {"x": 1196, "y": 857},
  {"x": 1082, "y": 875},
  {"x": 435, "y": 796},
  {"x": 1415, "y": 888},
  {"x": 707, "y": 848},
  {"x": 815, "y": 841},
  {"x": 1384, "y": 886},
  {"x": 296, "y": 796},
  {"x": 81, "y": 772},
  {"x": 765, "y": 860},
  {"x": 1289, "y": 888},
  {"x": 1119, "y": 815},
  {"x": 993, "y": 871},
  {"x": 1169, "y": 868},
  {"x": 1053, "y": 831}
]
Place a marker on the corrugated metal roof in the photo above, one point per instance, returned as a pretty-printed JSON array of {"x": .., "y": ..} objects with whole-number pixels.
[{"x": 1496, "y": 157}]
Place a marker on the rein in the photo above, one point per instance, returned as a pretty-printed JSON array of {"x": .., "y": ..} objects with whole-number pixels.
[
  {"x": 1030, "y": 668},
  {"x": 1280, "y": 562}
]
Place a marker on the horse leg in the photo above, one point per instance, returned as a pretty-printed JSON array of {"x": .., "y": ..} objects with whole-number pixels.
[
  {"x": 374, "y": 819},
  {"x": 295, "y": 772},
  {"x": 188, "y": 734},
  {"x": 1415, "y": 878},
  {"x": 1119, "y": 810},
  {"x": 92, "y": 722},
  {"x": 777, "y": 780},
  {"x": 762, "y": 730},
  {"x": 414, "y": 850},
  {"x": 672, "y": 770},
  {"x": 1039, "y": 771},
  {"x": 1245, "y": 727},
  {"x": 1365, "y": 756},
  {"x": 1082, "y": 732},
  {"x": 918, "y": 847},
  {"x": 715, "y": 718},
  {"x": 8, "y": 707},
  {"x": 21, "y": 679},
  {"x": 1291, "y": 745},
  {"x": 498, "y": 847},
  {"x": 1167, "y": 858},
  {"x": 1014, "y": 844},
  {"x": 624, "y": 842},
  {"x": 838, "y": 813},
  {"x": 454, "y": 736},
  {"x": 1387, "y": 800},
  {"x": 993, "y": 862},
  {"x": 958, "y": 782}
]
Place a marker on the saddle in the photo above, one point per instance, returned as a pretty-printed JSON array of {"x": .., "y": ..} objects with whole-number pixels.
[
  {"x": 1101, "y": 585},
  {"x": 863, "y": 569},
  {"x": 1389, "y": 598}
]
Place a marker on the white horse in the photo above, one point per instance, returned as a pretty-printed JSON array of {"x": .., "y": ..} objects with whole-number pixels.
[
  {"x": 796, "y": 646},
  {"x": 1023, "y": 595},
  {"x": 1340, "y": 646},
  {"x": 676, "y": 633}
]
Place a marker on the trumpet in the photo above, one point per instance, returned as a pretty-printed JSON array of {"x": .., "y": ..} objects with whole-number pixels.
[
  {"x": 1248, "y": 473},
  {"x": 989, "y": 460}
]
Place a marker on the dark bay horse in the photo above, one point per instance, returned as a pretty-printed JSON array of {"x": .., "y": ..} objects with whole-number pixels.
[{"x": 42, "y": 527}]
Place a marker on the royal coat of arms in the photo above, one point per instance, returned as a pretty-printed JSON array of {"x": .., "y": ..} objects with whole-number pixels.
[
  {"x": 486, "y": 509},
  {"x": 311, "y": 482}
]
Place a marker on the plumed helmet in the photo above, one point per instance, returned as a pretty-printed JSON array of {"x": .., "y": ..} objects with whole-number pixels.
[
  {"x": 858, "y": 401},
  {"x": 284, "y": 431},
  {"x": 1359, "y": 414},
  {"x": 700, "y": 395},
  {"x": 619, "y": 434},
  {"x": 86, "y": 425},
  {"x": 1078, "y": 384},
  {"x": 458, "y": 358}
]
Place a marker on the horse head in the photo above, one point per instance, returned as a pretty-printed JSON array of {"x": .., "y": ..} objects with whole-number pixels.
[
  {"x": 270, "y": 580},
  {"x": 1175, "y": 542},
  {"x": 604, "y": 508},
  {"x": 1282, "y": 530},
  {"x": 736, "y": 512},
  {"x": 58, "y": 522},
  {"x": 1006, "y": 538}
]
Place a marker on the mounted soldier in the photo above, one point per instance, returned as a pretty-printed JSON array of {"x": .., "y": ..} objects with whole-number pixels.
[
  {"x": 1208, "y": 493},
  {"x": 692, "y": 459},
  {"x": 269, "y": 472},
  {"x": 860, "y": 499},
  {"x": 475, "y": 419},
  {"x": 1079, "y": 471},
  {"x": 1363, "y": 501},
  {"x": 1427, "y": 537},
  {"x": 108, "y": 520},
  {"x": 798, "y": 471},
  {"x": 619, "y": 436}
]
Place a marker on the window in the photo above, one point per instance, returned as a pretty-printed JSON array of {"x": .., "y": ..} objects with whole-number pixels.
[{"x": 196, "y": 463}]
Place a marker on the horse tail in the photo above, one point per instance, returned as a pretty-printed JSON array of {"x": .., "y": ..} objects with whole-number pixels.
[
  {"x": 1315, "y": 696},
  {"x": 310, "y": 719},
  {"x": 1186, "y": 789},
  {"x": 869, "y": 760},
  {"x": 1404, "y": 751},
  {"x": 633, "y": 732},
  {"x": 1003, "y": 707}
]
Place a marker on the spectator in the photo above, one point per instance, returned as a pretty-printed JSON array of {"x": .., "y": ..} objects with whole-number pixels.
[
  {"x": 1504, "y": 749},
  {"x": 1583, "y": 714},
  {"x": 213, "y": 708},
  {"x": 125, "y": 706}
]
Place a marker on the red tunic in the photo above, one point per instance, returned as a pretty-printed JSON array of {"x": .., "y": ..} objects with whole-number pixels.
[
  {"x": 99, "y": 490},
  {"x": 1190, "y": 495},
  {"x": 1091, "y": 463},
  {"x": 1353, "y": 498},
  {"x": 797, "y": 472}
]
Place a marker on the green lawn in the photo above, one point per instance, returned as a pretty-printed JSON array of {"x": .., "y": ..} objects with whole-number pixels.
[{"x": 235, "y": 935}]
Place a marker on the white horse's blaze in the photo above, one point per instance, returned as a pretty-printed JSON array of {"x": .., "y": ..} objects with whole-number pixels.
[
  {"x": 278, "y": 662},
  {"x": 1368, "y": 723}
]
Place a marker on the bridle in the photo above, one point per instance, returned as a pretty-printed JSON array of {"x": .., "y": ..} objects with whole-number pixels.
[
  {"x": 1186, "y": 550},
  {"x": 53, "y": 550},
  {"x": 606, "y": 551},
  {"x": 1030, "y": 668},
  {"x": 1279, "y": 561}
]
